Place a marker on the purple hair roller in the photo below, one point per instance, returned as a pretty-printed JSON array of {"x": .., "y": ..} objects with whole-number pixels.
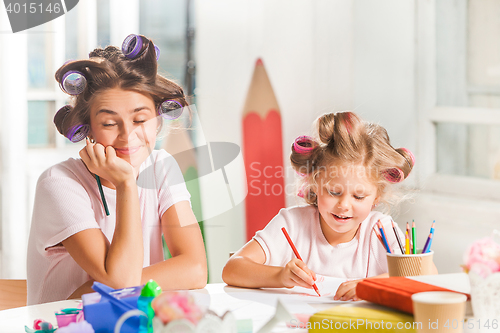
[
  {"x": 64, "y": 110},
  {"x": 157, "y": 51},
  {"x": 394, "y": 175},
  {"x": 303, "y": 144},
  {"x": 78, "y": 132},
  {"x": 170, "y": 109},
  {"x": 73, "y": 82},
  {"x": 133, "y": 46}
]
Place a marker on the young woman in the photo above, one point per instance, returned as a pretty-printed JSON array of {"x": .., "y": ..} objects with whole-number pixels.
[{"x": 102, "y": 217}]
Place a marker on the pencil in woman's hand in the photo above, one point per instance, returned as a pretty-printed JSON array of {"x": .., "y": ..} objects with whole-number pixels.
[{"x": 294, "y": 249}]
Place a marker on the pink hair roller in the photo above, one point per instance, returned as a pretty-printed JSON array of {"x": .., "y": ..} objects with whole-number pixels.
[
  {"x": 303, "y": 144},
  {"x": 394, "y": 175},
  {"x": 412, "y": 157}
]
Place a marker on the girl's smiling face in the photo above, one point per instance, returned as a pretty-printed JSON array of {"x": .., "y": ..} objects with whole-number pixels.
[
  {"x": 345, "y": 198},
  {"x": 125, "y": 120}
]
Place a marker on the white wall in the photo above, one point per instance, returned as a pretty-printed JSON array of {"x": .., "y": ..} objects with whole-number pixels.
[{"x": 13, "y": 143}]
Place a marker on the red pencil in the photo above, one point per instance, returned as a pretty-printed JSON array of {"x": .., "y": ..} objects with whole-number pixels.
[
  {"x": 377, "y": 232},
  {"x": 294, "y": 249}
]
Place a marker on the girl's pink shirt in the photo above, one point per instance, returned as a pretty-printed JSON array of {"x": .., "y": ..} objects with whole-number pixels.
[{"x": 67, "y": 201}]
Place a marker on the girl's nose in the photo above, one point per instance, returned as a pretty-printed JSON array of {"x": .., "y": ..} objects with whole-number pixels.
[{"x": 343, "y": 202}]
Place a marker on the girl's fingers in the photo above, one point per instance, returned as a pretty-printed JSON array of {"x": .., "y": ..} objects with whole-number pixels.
[
  {"x": 350, "y": 294},
  {"x": 304, "y": 272},
  {"x": 301, "y": 274},
  {"x": 340, "y": 291},
  {"x": 299, "y": 282}
]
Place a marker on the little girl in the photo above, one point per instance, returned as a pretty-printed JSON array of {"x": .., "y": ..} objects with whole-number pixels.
[
  {"x": 346, "y": 172},
  {"x": 102, "y": 217}
]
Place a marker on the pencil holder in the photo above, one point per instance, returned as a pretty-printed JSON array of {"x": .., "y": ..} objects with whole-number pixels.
[{"x": 410, "y": 264}]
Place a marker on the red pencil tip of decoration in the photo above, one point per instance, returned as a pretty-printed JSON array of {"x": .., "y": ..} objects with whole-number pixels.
[{"x": 259, "y": 62}]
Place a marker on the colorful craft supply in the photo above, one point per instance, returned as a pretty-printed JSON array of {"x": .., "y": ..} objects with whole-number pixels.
[
  {"x": 175, "y": 305},
  {"x": 68, "y": 316},
  {"x": 148, "y": 293}
]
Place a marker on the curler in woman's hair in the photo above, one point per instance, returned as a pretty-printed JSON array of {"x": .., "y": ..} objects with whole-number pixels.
[
  {"x": 304, "y": 144},
  {"x": 394, "y": 175},
  {"x": 78, "y": 132},
  {"x": 412, "y": 157},
  {"x": 62, "y": 113},
  {"x": 73, "y": 83},
  {"x": 135, "y": 45},
  {"x": 170, "y": 109}
]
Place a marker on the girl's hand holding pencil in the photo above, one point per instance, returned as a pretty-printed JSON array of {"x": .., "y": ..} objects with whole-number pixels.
[
  {"x": 301, "y": 265},
  {"x": 296, "y": 273}
]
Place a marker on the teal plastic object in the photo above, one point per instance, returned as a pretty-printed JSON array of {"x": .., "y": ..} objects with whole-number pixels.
[{"x": 149, "y": 292}]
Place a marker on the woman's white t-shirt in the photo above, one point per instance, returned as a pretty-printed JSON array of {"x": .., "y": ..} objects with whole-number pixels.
[
  {"x": 362, "y": 257},
  {"x": 67, "y": 201}
]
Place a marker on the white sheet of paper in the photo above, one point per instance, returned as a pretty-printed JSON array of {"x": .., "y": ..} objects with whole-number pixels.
[
  {"x": 297, "y": 299},
  {"x": 327, "y": 287}
]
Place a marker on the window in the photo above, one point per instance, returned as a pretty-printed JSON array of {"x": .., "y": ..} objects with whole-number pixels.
[{"x": 464, "y": 109}]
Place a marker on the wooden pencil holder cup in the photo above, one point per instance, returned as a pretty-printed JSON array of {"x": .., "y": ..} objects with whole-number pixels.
[{"x": 410, "y": 264}]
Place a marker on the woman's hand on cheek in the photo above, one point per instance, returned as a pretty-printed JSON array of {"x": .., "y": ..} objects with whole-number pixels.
[
  {"x": 296, "y": 273},
  {"x": 104, "y": 163},
  {"x": 347, "y": 291}
]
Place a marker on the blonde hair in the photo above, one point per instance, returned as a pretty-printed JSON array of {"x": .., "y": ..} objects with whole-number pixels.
[{"x": 342, "y": 138}]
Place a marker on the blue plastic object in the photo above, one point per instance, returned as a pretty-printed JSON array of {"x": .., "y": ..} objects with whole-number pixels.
[{"x": 103, "y": 308}]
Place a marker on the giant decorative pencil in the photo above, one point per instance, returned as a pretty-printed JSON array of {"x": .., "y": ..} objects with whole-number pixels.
[{"x": 262, "y": 152}]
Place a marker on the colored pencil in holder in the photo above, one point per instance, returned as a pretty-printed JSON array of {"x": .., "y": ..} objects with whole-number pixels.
[
  {"x": 384, "y": 238},
  {"x": 428, "y": 242},
  {"x": 401, "y": 247},
  {"x": 414, "y": 237}
]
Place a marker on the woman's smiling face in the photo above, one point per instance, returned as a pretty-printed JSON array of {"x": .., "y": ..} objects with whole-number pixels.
[
  {"x": 125, "y": 120},
  {"x": 345, "y": 198}
]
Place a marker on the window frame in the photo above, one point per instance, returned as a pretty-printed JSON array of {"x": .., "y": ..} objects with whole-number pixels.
[{"x": 430, "y": 114}]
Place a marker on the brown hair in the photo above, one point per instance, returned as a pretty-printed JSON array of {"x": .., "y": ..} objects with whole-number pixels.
[
  {"x": 109, "y": 68},
  {"x": 342, "y": 138}
]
